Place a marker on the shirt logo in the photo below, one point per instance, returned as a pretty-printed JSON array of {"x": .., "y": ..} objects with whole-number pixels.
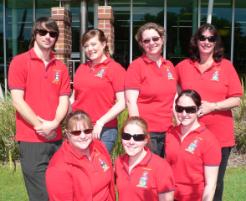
[
  {"x": 143, "y": 180},
  {"x": 215, "y": 76},
  {"x": 104, "y": 165},
  {"x": 100, "y": 73},
  {"x": 192, "y": 146},
  {"x": 169, "y": 73},
  {"x": 57, "y": 77}
]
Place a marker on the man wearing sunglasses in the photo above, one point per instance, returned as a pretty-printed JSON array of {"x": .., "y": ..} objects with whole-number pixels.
[{"x": 39, "y": 85}]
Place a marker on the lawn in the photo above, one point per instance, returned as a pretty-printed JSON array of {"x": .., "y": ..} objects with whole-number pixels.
[{"x": 12, "y": 185}]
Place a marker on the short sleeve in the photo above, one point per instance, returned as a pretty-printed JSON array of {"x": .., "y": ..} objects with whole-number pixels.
[
  {"x": 65, "y": 84},
  {"x": 234, "y": 84},
  {"x": 118, "y": 76},
  {"x": 17, "y": 74},
  {"x": 59, "y": 184},
  {"x": 212, "y": 152},
  {"x": 164, "y": 177},
  {"x": 133, "y": 76}
]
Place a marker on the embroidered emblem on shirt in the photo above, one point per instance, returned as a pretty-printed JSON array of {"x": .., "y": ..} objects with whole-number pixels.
[
  {"x": 169, "y": 73},
  {"x": 100, "y": 73},
  {"x": 143, "y": 180},
  {"x": 192, "y": 146},
  {"x": 215, "y": 76},
  {"x": 57, "y": 77},
  {"x": 104, "y": 165}
]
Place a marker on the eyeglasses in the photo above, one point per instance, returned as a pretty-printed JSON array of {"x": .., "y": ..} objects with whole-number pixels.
[
  {"x": 188, "y": 109},
  {"x": 78, "y": 132},
  {"x": 154, "y": 39},
  {"x": 136, "y": 137},
  {"x": 43, "y": 32},
  {"x": 210, "y": 39}
]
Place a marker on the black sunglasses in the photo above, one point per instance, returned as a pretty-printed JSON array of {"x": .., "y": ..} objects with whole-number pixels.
[
  {"x": 210, "y": 39},
  {"x": 136, "y": 137},
  {"x": 154, "y": 39},
  {"x": 188, "y": 109},
  {"x": 43, "y": 32},
  {"x": 78, "y": 132}
]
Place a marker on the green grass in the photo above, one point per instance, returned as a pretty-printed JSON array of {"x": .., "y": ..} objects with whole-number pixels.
[
  {"x": 235, "y": 184},
  {"x": 12, "y": 185}
]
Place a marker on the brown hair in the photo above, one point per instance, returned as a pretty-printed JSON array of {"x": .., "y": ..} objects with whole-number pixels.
[
  {"x": 49, "y": 23},
  {"x": 218, "y": 48},
  {"x": 158, "y": 28},
  {"x": 91, "y": 34},
  {"x": 78, "y": 116}
]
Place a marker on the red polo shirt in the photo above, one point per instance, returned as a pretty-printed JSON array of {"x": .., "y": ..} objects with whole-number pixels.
[
  {"x": 187, "y": 159},
  {"x": 157, "y": 88},
  {"x": 95, "y": 88},
  {"x": 71, "y": 176},
  {"x": 216, "y": 84},
  {"x": 151, "y": 177},
  {"x": 42, "y": 88}
]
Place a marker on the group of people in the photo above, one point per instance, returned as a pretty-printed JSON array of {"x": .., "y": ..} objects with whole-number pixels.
[{"x": 177, "y": 139}]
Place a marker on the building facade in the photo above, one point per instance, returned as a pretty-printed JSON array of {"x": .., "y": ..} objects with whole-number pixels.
[{"x": 180, "y": 18}]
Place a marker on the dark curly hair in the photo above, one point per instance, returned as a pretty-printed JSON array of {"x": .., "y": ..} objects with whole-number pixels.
[{"x": 218, "y": 49}]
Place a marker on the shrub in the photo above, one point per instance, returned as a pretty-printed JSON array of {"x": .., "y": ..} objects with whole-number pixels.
[{"x": 8, "y": 148}]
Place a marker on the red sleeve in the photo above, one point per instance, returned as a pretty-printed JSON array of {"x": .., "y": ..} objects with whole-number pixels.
[
  {"x": 118, "y": 77},
  {"x": 59, "y": 185},
  {"x": 234, "y": 85},
  {"x": 133, "y": 78},
  {"x": 65, "y": 85},
  {"x": 17, "y": 73},
  {"x": 212, "y": 152},
  {"x": 165, "y": 179}
]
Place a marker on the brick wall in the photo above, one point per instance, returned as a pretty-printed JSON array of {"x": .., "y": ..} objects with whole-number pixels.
[
  {"x": 105, "y": 23},
  {"x": 64, "y": 44}
]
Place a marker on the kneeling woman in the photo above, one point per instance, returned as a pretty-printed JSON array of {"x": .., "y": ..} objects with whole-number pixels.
[
  {"x": 140, "y": 174},
  {"x": 81, "y": 169},
  {"x": 192, "y": 151}
]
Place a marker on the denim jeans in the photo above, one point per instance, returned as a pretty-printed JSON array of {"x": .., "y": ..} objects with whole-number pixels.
[
  {"x": 109, "y": 137},
  {"x": 157, "y": 142},
  {"x": 225, "y": 153}
]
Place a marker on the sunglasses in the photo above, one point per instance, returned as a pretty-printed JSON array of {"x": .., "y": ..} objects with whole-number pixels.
[
  {"x": 78, "y": 132},
  {"x": 210, "y": 39},
  {"x": 43, "y": 32},
  {"x": 136, "y": 137},
  {"x": 188, "y": 109},
  {"x": 154, "y": 39}
]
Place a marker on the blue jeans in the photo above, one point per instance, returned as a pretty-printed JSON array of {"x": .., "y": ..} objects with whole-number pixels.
[
  {"x": 157, "y": 143},
  {"x": 109, "y": 137}
]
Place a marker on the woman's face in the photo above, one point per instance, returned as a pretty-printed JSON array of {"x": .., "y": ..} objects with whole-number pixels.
[
  {"x": 206, "y": 43},
  {"x": 80, "y": 135},
  {"x": 131, "y": 146},
  {"x": 186, "y": 111},
  {"x": 94, "y": 49},
  {"x": 152, "y": 42}
]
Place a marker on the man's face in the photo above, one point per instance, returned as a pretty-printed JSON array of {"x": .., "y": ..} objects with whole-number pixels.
[{"x": 45, "y": 38}]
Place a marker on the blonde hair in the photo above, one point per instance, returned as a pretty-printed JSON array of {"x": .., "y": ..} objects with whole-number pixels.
[{"x": 78, "y": 116}]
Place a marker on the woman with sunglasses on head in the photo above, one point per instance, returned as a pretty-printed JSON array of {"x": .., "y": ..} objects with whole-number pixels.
[
  {"x": 150, "y": 85},
  {"x": 99, "y": 87},
  {"x": 140, "y": 174},
  {"x": 81, "y": 169},
  {"x": 216, "y": 80},
  {"x": 192, "y": 151}
]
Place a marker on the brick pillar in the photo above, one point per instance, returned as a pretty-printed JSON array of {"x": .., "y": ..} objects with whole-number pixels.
[
  {"x": 105, "y": 23},
  {"x": 64, "y": 44}
]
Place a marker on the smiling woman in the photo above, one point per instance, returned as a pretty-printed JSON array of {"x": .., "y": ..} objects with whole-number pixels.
[
  {"x": 149, "y": 177},
  {"x": 78, "y": 162}
]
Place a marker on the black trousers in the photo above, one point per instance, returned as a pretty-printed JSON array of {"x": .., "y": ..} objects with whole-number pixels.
[
  {"x": 34, "y": 158},
  {"x": 225, "y": 153},
  {"x": 157, "y": 142}
]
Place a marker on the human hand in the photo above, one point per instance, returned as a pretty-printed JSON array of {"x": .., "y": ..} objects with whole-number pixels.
[
  {"x": 46, "y": 128},
  {"x": 97, "y": 131},
  {"x": 206, "y": 107}
]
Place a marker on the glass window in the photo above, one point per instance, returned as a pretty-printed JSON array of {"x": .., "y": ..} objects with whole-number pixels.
[{"x": 240, "y": 36}]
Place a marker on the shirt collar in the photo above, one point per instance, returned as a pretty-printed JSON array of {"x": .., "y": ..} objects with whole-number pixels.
[
  {"x": 149, "y": 61},
  {"x": 33, "y": 55},
  {"x": 104, "y": 63}
]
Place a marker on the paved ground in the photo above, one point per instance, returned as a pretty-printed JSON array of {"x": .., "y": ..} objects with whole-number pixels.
[{"x": 237, "y": 160}]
